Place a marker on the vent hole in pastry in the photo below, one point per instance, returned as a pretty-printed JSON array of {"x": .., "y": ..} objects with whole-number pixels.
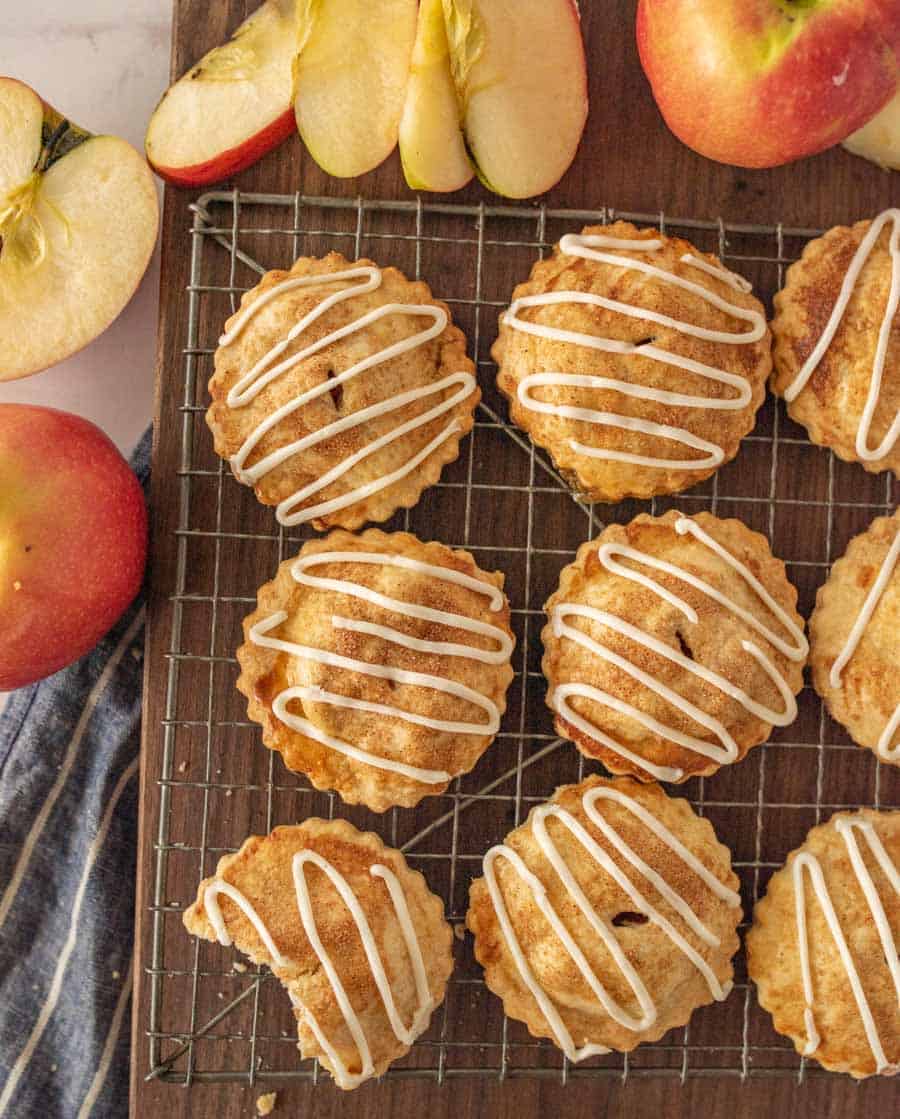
[
  {"x": 645, "y": 341},
  {"x": 336, "y": 392},
  {"x": 627, "y": 918},
  {"x": 684, "y": 647}
]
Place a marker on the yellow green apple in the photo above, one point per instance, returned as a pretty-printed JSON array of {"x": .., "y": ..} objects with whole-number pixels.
[{"x": 879, "y": 140}]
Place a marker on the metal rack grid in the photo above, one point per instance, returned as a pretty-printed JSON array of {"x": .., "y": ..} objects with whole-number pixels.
[{"x": 211, "y": 1019}]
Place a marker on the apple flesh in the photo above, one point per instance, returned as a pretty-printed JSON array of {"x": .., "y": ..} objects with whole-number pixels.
[
  {"x": 350, "y": 78},
  {"x": 521, "y": 79},
  {"x": 757, "y": 83},
  {"x": 879, "y": 140},
  {"x": 231, "y": 107},
  {"x": 78, "y": 223},
  {"x": 432, "y": 146},
  {"x": 73, "y": 540}
]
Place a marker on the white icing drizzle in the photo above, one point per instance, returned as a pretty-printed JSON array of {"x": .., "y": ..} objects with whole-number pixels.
[
  {"x": 290, "y": 511},
  {"x": 603, "y": 929},
  {"x": 727, "y": 751},
  {"x": 883, "y": 747},
  {"x": 863, "y": 450},
  {"x": 809, "y": 862},
  {"x": 586, "y": 246},
  {"x": 405, "y": 1034},
  {"x": 259, "y": 635}
]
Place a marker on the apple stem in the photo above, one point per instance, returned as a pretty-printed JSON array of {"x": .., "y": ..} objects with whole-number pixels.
[{"x": 47, "y": 153}]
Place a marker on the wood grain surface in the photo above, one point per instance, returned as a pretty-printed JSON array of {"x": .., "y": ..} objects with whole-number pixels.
[{"x": 628, "y": 160}]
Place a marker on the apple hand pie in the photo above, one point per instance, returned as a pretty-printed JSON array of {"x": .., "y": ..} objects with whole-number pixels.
[
  {"x": 823, "y": 946},
  {"x": 673, "y": 646},
  {"x": 837, "y": 351},
  {"x": 357, "y": 939},
  {"x": 378, "y": 665},
  {"x": 637, "y": 361},
  {"x": 855, "y": 637},
  {"x": 607, "y": 918},
  {"x": 340, "y": 392}
]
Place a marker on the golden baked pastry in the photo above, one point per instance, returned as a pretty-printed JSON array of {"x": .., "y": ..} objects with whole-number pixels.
[
  {"x": 673, "y": 645},
  {"x": 855, "y": 639},
  {"x": 378, "y": 665},
  {"x": 340, "y": 391},
  {"x": 837, "y": 352},
  {"x": 356, "y": 937},
  {"x": 823, "y": 946},
  {"x": 607, "y": 918},
  {"x": 637, "y": 361}
]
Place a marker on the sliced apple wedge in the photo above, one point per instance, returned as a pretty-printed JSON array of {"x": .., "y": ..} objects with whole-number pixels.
[
  {"x": 432, "y": 146},
  {"x": 879, "y": 140},
  {"x": 521, "y": 78},
  {"x": 232, "y": 106},
  {"x": 350, "y": 79},
  {"x": 78, "y": 222}
]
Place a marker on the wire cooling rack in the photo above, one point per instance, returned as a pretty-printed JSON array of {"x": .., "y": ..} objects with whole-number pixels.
[{"x": 211, "y": 1018}]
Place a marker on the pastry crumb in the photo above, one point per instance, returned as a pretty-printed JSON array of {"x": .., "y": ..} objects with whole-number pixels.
[
  {"x": 459, "y": 930},
  {"x": 265, "y": 1105},
  {"x": 238, "y": 966}
]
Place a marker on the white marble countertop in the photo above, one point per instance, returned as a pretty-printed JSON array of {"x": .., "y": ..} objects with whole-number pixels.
[{"x": 104, "y": 63}]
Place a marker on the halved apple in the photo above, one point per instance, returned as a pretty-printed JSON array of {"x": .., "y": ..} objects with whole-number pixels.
[
  {"x": 432, "y": 146},
  {"x": 350, "y": 78},
  {"x": 521, "y": 78},
  {"x": 232, "y": 106},
  {"x": 879, "y": 140},
  {"x": 78, "y": 222}
]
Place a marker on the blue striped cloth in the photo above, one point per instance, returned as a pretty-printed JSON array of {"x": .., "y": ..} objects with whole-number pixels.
[{"x": 68, "y": 837}]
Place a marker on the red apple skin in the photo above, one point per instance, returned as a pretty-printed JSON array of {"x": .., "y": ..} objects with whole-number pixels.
[
  {"x": 236, "y": 159},
  {"x": 720, "y": 96},
  {"x": 73, "y": 540}
]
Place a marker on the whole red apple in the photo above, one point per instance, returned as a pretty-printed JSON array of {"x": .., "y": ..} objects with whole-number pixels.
[
  {"x": 73, "y": 540},
  {"x": 757, "y": 83}
]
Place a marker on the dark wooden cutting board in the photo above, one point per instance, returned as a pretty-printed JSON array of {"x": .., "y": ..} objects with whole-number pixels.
[{"x": 630, "y": 161}]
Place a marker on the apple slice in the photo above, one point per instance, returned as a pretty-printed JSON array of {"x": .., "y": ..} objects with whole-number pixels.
[
  {"x": 879, "y": 140},
  {"x": 432, "y": 146},
  {"x": 350, "y": 79},
  {"x": 232, "y": 106},
  {"x": 78, "y": 222},
  {"x": 521, "y": 78}
]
